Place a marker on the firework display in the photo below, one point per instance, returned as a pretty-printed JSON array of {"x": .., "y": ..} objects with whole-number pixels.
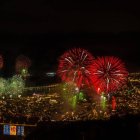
[
  {"x": 69, "y": 93},
  {"x": 109, "y": 74},
  {"x": 75, "y": 97},
  {"x": 12, "y": 86},
  {"x": 74, "y": 65},
  {"x": 22, "y": 65},
  {"x": 15, "y": 85},
  {"x": 67, "y": 100}
]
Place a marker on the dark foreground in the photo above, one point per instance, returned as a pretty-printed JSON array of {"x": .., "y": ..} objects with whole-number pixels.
[{"x": 125, "y": 128}]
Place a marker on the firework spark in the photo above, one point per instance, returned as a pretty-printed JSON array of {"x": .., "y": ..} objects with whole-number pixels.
[
  {"x": 109, "y": 73},
  {"x": 73, "y": 66}
]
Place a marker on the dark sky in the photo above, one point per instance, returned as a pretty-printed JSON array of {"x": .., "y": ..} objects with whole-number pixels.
[
  {"x": 69, "y": 16},
  {"x": 43, "y": 30}
]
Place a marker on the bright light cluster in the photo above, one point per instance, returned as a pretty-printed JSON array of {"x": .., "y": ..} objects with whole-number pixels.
[{"x": 12, "y": 86}]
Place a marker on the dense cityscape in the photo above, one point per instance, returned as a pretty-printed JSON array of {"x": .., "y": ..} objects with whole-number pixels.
[{"x": 52, "y": 107}]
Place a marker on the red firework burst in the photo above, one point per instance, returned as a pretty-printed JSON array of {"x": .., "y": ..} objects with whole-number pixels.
[
  {"x": 22, "y": 62},
  {"x": 73, "y": 66},
  {"x": 109, "y": 74}
]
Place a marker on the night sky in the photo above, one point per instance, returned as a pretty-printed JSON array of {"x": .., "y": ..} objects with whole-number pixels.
[{"x": 43, "y": 30}]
